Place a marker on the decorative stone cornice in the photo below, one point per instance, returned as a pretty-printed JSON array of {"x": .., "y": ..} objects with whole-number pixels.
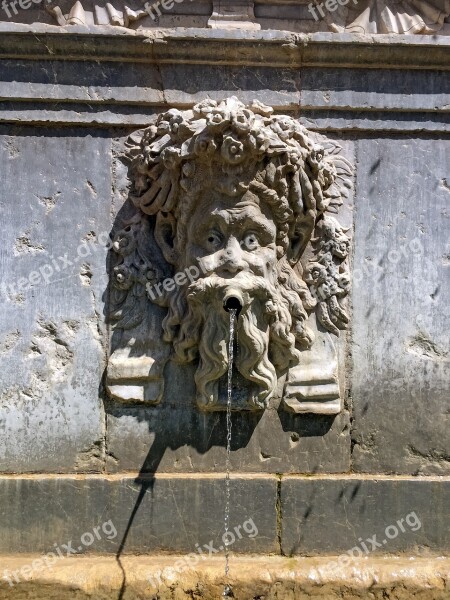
[
  {"x": 137, "y": 74},
  {"x": 220, "y": 47}
]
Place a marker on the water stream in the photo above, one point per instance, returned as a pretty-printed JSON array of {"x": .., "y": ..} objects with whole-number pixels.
[{"x": 227, "y": 592}]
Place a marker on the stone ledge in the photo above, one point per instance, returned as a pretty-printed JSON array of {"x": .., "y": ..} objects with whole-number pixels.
[
  {"x": 302, "y": 515},
  {"x": 219, "y": 47},
  {"x": 251, "y": 577},
  {"x": 113, "y": 77}
]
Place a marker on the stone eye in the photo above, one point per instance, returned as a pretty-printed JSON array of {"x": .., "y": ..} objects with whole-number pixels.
[
  {"x": 250, "y": 242},
  {"x": 213, "y": 240}
]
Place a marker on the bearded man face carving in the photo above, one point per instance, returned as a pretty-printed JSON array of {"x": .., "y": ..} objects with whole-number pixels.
[
  {"x": 238, "y": 243},
  {"x": 233, "y": 243},
  {"x": 236, "y": 193}
]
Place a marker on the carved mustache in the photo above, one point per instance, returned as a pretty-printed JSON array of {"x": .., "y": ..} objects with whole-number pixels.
[{"x": 248, "y": 288}]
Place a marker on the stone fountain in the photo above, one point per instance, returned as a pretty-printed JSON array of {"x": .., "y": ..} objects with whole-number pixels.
[{"x": 244, "y": 209}]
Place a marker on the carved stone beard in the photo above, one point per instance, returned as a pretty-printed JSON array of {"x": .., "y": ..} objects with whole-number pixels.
[{"x": 265, "y": 344}]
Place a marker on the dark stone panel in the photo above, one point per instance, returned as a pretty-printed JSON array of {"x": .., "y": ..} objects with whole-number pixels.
[
  {"x": 334, "y": 516},
  {"x": 401, "y": 295},
  {"x": 85, "y": 81},
  {"x": 175, "y": 514},
  {"x": 148, "y": 515},
  {"x": 189, "y": 84},
  {"x": 375, "y": 89}
]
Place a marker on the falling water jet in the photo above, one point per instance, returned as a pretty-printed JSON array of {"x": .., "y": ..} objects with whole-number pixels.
[{"x": 233, "y": 305}]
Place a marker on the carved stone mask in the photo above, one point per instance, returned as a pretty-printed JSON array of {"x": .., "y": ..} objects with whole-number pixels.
[{"x": 235, "y": 194}]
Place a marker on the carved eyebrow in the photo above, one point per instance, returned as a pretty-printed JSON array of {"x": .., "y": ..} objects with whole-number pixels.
[
  {"x": 236, "y": 215},
  {"x": 218, "y": 216},
  {"x": 244, "y": 222},
  {"x": 258, "y": 225},
  {"x": 216, "y": 219}
]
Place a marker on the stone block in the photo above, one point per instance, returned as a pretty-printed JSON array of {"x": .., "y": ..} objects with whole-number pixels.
[
  {"x": 55, "y": 209},
  {"x": 401, "y": 294},
  {"x": 385, "y": 515},
  {"x": 146, "y": 514}
]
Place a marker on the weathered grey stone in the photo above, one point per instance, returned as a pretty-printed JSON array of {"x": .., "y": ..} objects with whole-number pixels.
[
  {"x": 401, "y": 323},
  {"x": 187, "y": 84},
  {"x": 88, "y": 82},
  {"x": 148, "y": 515},
  {"x": 327, "y": 515},
  {"x": 266, "y": 48},
  {"x": 53, "y": 341},
  {"x": 55, "y": 205},
  {"x": 322, "y": 516},
  {"x": 181, "y": 439},
  {"x": 374, "y": 90}
]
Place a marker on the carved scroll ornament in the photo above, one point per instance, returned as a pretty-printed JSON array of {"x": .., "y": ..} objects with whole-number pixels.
[{"x": 236, "y": 199}]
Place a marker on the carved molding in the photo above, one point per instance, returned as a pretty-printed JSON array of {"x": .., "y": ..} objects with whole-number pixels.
[
  {"x": 232, "y": 202},
  {"x": 363, "y": 17},
  {"x": 389, "y": 16}
]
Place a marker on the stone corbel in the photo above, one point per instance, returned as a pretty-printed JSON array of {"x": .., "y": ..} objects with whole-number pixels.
[{"x": 313, "y": 386}]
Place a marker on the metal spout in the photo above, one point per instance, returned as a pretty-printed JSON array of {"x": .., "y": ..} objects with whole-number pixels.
[{"x": 233, "y": 301}]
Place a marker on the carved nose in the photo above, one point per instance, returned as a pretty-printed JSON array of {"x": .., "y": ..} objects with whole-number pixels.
[
  {"x": 232, "y": 266},
  {"x": 233, "y": 262}
]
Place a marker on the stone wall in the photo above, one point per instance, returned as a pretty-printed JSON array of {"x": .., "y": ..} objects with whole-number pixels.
[{"x": 72, "y": 458}]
